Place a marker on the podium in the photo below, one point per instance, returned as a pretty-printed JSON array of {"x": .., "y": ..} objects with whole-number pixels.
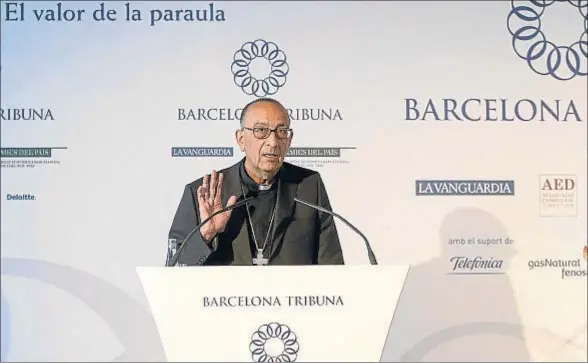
[{"x": 273, "y": 314}]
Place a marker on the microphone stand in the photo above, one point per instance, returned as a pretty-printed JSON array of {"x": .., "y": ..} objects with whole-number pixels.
[{"x": 368, "y": 247}]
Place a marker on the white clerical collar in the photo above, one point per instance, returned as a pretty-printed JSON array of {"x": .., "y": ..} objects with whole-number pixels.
[{"x": 264, "y": 187}]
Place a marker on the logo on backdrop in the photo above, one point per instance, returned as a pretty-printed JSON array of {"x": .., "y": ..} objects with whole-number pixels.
[
  {"x": 274, "y": 342},
  {"x": 464, "y": 187},
  {"x": 491, "y": 109},
  {"x": 29, "y": 157},
  {"x": 317, "y": 157},
  {"x": 26, "y": 114},
  {"x": 465, "y": 265},
  {"x": 558, "y": 195},
  {"x": 567, "y": 267},
  {"x": 259, "y": 68},
  {"x": 20, "y": 197},
  {"x": 562, "y": 62},
  {"x": 267, "y": 83},
  {"x": 202, "y": 152}
]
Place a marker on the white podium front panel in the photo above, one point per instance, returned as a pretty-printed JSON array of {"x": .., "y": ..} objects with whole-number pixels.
[{"x": 273, "y": 314}]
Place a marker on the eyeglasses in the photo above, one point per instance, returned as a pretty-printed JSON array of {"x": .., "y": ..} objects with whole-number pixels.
[{"x": 264, "y": 132}]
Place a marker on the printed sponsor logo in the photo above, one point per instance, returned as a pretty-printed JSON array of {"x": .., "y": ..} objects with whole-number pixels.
[
  {"x": 464, "y": 187},
  {"x": 568, "y": 268},
  {"x": 558, "y": 195},
  {"x": 20, "y": 197},
  {"x": 29, "y": 157},
  {"x": 201, "y": 152},
  {"x": 317, "y": 157},
  {"x": 477, "y": 265}
]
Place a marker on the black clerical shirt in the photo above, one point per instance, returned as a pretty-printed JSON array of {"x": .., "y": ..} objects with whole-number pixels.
[
  {"x": 301, "y": 235},
  {"x": 261, "y": 210}
]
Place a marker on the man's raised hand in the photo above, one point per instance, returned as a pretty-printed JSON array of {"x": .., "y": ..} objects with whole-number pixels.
[{"x": 209, "y": 202}]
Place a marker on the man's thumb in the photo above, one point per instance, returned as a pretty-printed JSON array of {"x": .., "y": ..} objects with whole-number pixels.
[{"x": 232, "y": 200}]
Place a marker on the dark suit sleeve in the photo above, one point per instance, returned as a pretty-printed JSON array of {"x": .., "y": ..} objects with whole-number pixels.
[
  {"x": 329, "y": 247},
  {"x": 186, "y": 218}
]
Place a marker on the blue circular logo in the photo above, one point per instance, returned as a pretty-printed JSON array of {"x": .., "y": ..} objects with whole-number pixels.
[
  {"x": 562, "y": 62},
  {"x": 274, "y": 342},
  {"x": 260, "y": 49}
]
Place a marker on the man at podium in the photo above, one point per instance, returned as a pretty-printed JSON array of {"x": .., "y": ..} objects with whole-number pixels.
[{"x": 272, "y": 229}]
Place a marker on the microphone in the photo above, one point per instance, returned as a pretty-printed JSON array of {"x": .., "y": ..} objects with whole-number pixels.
[
  {"x": 370, "y": 253},
  {"x": 174, "y": 260}
]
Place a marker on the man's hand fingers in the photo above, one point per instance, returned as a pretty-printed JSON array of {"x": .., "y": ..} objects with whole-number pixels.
[
  {"x": 201, "y": 199},
  {"x": 205, "y": 186},
  {"x": 213, "y": 184},
  {"x": 199, "y": 194},
  {"x": 219, "y": 186}
]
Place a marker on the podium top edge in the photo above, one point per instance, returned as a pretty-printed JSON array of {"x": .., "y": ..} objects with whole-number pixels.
[{"x": 289, "y": 267}]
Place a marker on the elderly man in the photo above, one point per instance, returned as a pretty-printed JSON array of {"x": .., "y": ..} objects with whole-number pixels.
[{"x": 272, "y": 229}]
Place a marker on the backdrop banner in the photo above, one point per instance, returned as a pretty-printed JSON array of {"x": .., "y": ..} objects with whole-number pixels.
[{"x": 452, "y": 134}]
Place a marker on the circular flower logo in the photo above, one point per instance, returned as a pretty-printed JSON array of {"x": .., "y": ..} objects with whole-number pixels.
[
  {"x": 562, "y": 62},
  {"x": 260, "y": 49},
  {"x": 274, "y": 342}
]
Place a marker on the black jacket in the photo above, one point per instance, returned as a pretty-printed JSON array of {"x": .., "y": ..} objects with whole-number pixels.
[{"x": 301, "y": 235}]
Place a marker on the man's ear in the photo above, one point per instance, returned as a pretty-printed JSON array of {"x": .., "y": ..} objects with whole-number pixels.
[{"x": 239, "y": 138}]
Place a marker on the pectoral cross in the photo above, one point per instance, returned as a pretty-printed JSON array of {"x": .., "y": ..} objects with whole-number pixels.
[{"x": 260, "y": 260}]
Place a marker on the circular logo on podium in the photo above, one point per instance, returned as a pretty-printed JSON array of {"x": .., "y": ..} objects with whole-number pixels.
[{"x": 274, "y": 342}]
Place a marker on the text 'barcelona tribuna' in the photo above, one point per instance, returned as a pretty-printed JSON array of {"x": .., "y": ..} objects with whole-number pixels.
[{"x": 234, "y": 114}]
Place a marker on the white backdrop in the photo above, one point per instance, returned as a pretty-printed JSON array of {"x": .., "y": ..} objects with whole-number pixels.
[{"x": 115, "y": 91}]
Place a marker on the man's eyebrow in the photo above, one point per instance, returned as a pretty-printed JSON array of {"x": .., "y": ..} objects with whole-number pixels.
[
  {"x": 266, "y": 124},
  {"x": 260, "y": 123}
]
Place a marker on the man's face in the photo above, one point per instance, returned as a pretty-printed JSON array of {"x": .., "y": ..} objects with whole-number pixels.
[{"x": 264, "y": 149}]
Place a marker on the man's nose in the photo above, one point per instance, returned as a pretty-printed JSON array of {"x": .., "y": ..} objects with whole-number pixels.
[{"x": 272, "y": 139}]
